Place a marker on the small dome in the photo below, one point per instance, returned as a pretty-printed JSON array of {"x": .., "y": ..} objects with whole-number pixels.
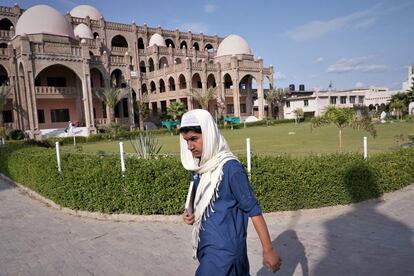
[
  {"x": 43, "y": 19},
  {"x": 157, "y": 39},
  {"x": 233, "y": 45},
  {"x": 83, "y": 11},
  {"x": 83, "y": 31}
]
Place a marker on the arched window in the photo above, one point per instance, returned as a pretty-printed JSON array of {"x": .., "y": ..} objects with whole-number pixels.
[
  {"x": 117, "y": 79},
  {"x": 144, "y": 89},
  {"x": 169, "y": 43},
  {"x": 196, "y": 81},
  {"x": 182, "y": 82},
  {"x": 141, "y": 43},
  {"x": 171, "y": 84},
  {"x": 162, "y": 86},
  {"x": 95, "y": 35},
  {"x": 119, "y": 41},
  {"x": 151, "y": 65},
  {"x": 5, "y": 24},
  {"x": 209, "y": 48},
  {"x": 228, "y": 83},
  {"x": 183, "y": 44},
  {"x": 142, "y": 67},
  {"x": 153, "y": 87},
  {"x": 196, "y": 46},
  {"x": 211, "y": 81},
  {"x": 163, "y": 62},
  {"x": 177, "y": 61}
]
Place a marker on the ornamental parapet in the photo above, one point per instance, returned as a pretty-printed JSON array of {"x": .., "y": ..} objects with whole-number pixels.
[{"x": 119, "y": 26}]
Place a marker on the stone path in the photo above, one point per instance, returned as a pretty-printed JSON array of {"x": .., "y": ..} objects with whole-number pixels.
[{"x": 371, "y": 238}]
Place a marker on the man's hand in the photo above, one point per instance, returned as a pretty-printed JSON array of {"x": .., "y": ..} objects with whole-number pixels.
[
  {"x": 272, "y": 260},
  {"x": 189, "y": 219}
]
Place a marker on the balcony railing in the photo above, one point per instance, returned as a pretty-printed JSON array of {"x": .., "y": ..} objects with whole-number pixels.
[
  {"x": 52, "y": 90},
  {"x": 119, "y": 49},
  {"x": 6, "y": 33}
]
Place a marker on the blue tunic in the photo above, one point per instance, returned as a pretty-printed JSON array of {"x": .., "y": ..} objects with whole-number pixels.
[{"x": 222, "y": 247}]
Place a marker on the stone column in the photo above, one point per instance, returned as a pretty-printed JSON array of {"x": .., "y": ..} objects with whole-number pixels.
[
  {"x": 87, "y": 89},
  {"x": 31, "y": 103},
  {"x": 260, "y": 96}
]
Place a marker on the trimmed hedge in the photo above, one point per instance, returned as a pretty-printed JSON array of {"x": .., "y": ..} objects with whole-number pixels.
[{"x": 160, "y": 186}]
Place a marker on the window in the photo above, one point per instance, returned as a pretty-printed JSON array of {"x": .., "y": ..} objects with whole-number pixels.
[
  {"x": 243, "y": 108},
  {"x": 56, "y": 81},
  {"x": 332, "y": 100},
  {"x": 343, "y": 99},
  {"x": 41, "y": 116},
  {"x": 125, "y": 107},
  {"x": 59, "y": 115},
  {"x": 305, "y": 102},
  {"x": 361, "y": 99},
  {"x": 352, "y": 99},
  {"x": 7, "y": 116},
  {"x": 230, "y": 108},
  {"x": 287, "y": 104}
]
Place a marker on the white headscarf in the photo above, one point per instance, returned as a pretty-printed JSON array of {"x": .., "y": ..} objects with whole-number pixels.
[{"x": 215, "y": 154}]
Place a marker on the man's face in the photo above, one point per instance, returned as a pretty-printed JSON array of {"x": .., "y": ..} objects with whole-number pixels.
[{"x": 194, "y": 143}]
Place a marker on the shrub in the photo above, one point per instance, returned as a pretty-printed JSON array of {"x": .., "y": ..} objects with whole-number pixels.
[
  {"x": 16, "y": 134},
  {"x": 159, "y": 186}
]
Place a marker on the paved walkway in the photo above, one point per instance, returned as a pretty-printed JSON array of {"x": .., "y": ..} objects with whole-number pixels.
[{"x": 372, "y": 238}]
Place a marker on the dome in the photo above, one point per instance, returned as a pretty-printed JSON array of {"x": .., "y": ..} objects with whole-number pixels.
[
  {"x": 233, "y": 45},
  {"x": 83, "y": 11},
  {"x": 157, "y": 39},
  {"x": 83, "y": 31},
  {"x": 43, "y": 19}
]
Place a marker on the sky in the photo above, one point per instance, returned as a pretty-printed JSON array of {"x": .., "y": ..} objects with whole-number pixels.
[{"x": 351, "y": 44}]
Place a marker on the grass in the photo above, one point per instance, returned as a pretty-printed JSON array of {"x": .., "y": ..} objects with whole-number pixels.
[{"x": 296, "y": 140}]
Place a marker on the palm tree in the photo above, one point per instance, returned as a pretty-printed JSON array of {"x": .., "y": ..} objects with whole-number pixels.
[
  {"x": 203, "y": 99},
  {"x": 271, "y": 96},
  {"x": 140, "y": 108},
  {"x": 277, "y": 96},
  {"x": 5, "y": 90},
  {"x": 342, "y": 118},
  {"x": 399, "y": 107},
  {"x": 176, "y": 109},
  {"x": 111, "y": 97}
]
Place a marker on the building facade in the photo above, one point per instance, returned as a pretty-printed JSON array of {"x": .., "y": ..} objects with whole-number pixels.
[
  {"x": 55, "y": 62},
  {"x": 314, "y": 103}
]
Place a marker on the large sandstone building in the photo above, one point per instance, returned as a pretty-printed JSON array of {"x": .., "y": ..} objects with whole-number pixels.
[{"x": 53, "y": 63}]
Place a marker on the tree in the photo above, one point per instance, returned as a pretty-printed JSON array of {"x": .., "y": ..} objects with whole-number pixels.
[
  {"x": 398, "y": 106},
  {"x": 276, "y": 96},
  {"x": 203, "y": 99},
  {"x": 342, "y": 118},
  {"x": 298, "y": 114},
  {"x": 4, "y": 93},
  {"x": 111, "y": 97},
  {"x": 141, "y": 109},
  {"x": 176, "y": 109}
]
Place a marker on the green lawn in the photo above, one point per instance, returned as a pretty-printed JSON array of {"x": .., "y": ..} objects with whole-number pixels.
[{"x": 292, "y": 139}]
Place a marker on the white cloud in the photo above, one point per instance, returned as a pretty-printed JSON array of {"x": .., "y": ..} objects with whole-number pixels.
[
  {"x": 318, "y": 28},
  {"x": 319, "y": 59},
  {"x": 365, "y": 23},
  {"x": 359, "y": 84},
  {"x": 195, "y": 27},
  {"x": 210, "y": 8},
  {"x": 356, "y": 64}
]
